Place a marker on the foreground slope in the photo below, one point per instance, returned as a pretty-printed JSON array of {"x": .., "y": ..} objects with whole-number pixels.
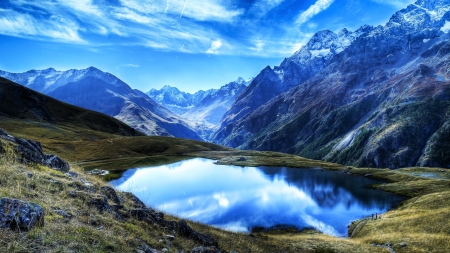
[
  {"x": 381, "y": 102},
  {"x": 73, "y": 223}
]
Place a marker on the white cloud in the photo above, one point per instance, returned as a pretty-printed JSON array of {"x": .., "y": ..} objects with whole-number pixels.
[
  {"x": 24, "y": 25},
  {"x": 125, "y": 13},
  {"x": 258, "y": 46},
  {"x": 262, "y": 7},
  {"x": 211, "y": 10},
  {"x": 131, "y": 65},
  {"x": 399, "y": 4},
  {"x": 85, "y": 6},
  {"x": 215, "y": 45},
  {"x": 154, "y": 24},
  {"x": 313, "y": 10}
]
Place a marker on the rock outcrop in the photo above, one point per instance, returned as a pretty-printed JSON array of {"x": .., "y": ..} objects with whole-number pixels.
[
  {"x": 20, "y": 215},
  {"x": 30, "y": 152}
]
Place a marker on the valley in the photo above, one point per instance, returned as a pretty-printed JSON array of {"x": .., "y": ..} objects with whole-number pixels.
[{"x": 343, "y": 147}]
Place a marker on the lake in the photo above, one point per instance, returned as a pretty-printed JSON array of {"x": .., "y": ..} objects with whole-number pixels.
[{"x": 242, "y": 198}]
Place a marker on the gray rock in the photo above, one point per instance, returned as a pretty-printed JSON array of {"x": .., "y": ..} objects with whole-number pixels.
[
  {"x": 30, "y": 152},
  {"x": 204, "y": 239},
  {"x": 402, "y": 244},
  {"x": 137, "y": 202},
  {"x": 202, "y": 249},
  {"x": 170, "y": 237},
  {"x": 110, "y": 193},
  {"x": 97, "y": 172},
  {"x": 63, "y": 213},
  {"x": 71, "y": 174},
  {"x": 21, "y": 215},
  {"x": 147, "y": 249}
]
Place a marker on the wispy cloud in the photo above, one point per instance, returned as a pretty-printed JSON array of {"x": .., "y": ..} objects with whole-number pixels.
[
  {"x": 211, "y": 27},
  {"x": 24, "y": 25},
  {"x": 262, "y": 7},
  {"x": 396, "y": 3},
  {"x": 215, "y": 46},
  {"x": 131, "y": 65},
  {"x": 313, "y": 10}
]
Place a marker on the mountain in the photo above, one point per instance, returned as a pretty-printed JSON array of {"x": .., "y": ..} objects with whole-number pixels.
[
  {"x": 19, "y": 102},
  {"x": 177, "y": 101},
  {"x": 96, "y": 90},
  {"x": 47, "y": 80},
  {"x": 301, "y": 66},
  {"x": 381, "y": 100},
  {"x": 214, "y": 105}
]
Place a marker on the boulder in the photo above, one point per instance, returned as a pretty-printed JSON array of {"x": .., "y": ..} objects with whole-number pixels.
[
  {"x": 110, "y": 193},
  {"x": 137, "y": 202},
  {"x": 204, "y": 239},
  {"x": 30, "y": 152},
  {"x": 147, "y": 249},
  {"x": 21, "y": 215},
  {"x": 202, "y": 249}
]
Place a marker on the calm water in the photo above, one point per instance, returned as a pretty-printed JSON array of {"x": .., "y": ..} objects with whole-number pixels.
[{"x": 238, "y": 199}]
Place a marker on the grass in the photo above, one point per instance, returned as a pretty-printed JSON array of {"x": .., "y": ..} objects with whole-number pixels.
[{"x": 421, "y": 221}]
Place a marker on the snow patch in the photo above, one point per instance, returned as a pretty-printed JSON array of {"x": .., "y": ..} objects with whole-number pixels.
[
  {"x": 426, "y": 40},
  {"x": 320, "y": 52},
  {"x": 446, "y": 27}
]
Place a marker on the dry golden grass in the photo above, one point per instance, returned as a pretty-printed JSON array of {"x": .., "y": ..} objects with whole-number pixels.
[{"x": 420, "y": 222}]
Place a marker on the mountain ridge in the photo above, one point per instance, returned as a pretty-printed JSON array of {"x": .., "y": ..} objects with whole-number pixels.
[
  {"x": 344, "y": 112},
  {"x": 101, "y": 91}
]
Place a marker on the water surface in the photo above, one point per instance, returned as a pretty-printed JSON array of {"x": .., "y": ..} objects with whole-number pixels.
[{"x": 239, "y": 199}]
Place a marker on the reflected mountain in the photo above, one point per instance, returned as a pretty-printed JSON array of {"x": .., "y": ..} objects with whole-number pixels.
[{"x": 239, "y": 199}]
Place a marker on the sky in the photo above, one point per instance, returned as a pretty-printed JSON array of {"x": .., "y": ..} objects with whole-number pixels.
[{"x": 188, "y": 44}]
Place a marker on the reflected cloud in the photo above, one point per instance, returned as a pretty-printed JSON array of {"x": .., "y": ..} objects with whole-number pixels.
[{"x": 239, "y": 199}]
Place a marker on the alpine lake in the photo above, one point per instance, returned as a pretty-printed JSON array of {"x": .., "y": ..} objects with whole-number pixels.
[{"x": 245, "y": 199}]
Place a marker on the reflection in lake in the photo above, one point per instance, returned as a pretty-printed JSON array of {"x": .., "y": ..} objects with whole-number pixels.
[{"x": 238, "y": 199}]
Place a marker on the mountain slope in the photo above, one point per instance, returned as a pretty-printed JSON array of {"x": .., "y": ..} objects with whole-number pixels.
[
  {"x": 381, "y": 102},
  {"x": 94, "y": 89},
  {"x": 47, "y": 80},
  {"x": 213, "y": 106},
  {"x": 20, "y": 102},
  {"x": 301, "y": 66},
  {"x": 177, "y": 101},
  {"x": 123, "y": 103}
]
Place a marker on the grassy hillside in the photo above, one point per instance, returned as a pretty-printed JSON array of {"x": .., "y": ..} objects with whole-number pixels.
[{"x": 420, "y": 224}]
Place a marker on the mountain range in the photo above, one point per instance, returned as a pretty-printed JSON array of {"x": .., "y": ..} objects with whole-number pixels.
[
  {"x": 204, "y": 107},
  {"x": 376, "y": 97},
  {"x": 103, "y": 92}
]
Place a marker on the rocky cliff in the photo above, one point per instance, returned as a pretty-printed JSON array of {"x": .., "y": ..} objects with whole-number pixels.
[{"x": 381, "y": 100}]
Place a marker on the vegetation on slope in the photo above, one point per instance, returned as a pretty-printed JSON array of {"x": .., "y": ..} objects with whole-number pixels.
[{"x": 418, "y": 225}]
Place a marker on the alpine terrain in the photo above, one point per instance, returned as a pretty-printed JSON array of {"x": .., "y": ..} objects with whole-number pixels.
[
  {"x": 376, "y": 97},
  {"x": 96, "y": 90},
  {"x": 203, "y": 106}
]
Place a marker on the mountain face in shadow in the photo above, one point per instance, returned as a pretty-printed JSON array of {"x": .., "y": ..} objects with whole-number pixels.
[
  {"x": 20, "y": 102},
  {"x": 380, "y": 100}
]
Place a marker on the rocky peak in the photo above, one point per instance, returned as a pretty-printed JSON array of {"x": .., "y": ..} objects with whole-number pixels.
[
  {"x": 432, "y": 4},
  {"x": 322, "y": 40}
]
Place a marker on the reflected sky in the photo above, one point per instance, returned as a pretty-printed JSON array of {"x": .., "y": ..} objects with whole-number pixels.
[{"x": 238, "y": 199}]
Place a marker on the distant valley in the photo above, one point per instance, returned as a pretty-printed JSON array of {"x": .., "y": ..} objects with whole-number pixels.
[{"x": 96, "y": 90}]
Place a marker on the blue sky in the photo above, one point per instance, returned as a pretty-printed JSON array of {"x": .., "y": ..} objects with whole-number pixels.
[{"x": 189, "y": 44}]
